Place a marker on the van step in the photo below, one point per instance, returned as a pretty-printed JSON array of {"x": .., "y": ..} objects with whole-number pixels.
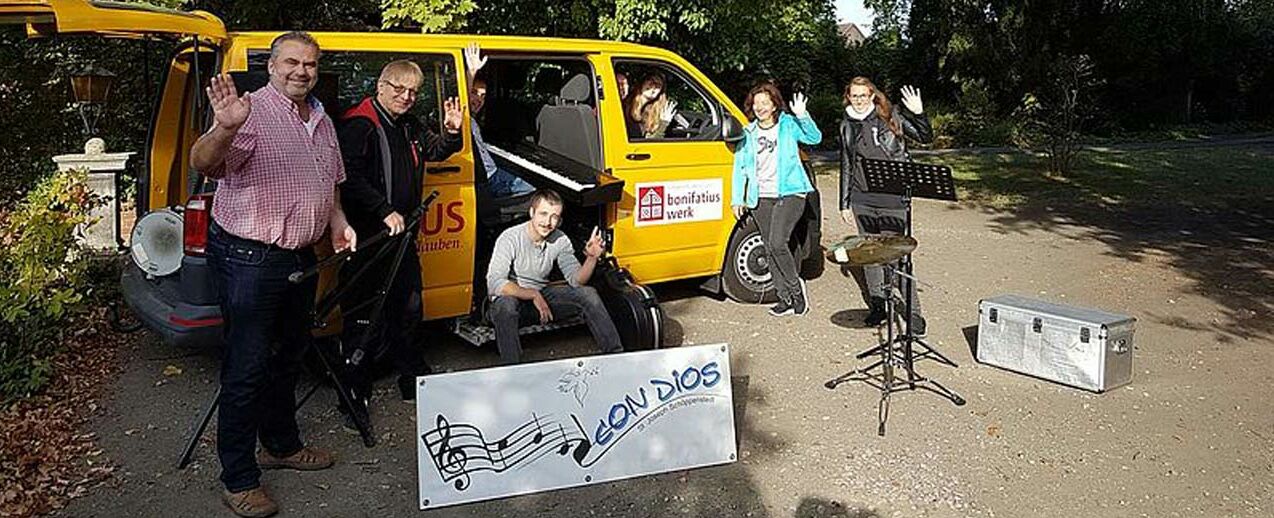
[{"x": 479, "y": 334}]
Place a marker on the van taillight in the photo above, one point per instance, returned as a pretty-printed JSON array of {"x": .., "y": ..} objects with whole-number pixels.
[{"x": 195, "y": 226}]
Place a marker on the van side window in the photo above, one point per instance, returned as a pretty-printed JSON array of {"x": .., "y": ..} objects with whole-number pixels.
[
  {"x": 549, "y": 102},
  {"x": 664, "y": 104},
  {"x": 345, "y": 78}
]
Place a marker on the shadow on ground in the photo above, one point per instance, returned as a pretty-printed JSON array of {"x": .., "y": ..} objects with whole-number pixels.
[
  {"x": 148, "y": 415},
  {"x": 1209, "y": 214},
  {"x": 815, "y": 507}
]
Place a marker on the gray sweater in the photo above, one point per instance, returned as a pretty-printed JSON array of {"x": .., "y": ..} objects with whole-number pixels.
[{"x": 518, "y": 259}]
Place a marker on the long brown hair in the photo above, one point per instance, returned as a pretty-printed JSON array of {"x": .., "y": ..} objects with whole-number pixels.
[
  {"x": 884, "y": 109},
  {"x": 769, "y": 90},
  {"x": 647, "y": 115}
]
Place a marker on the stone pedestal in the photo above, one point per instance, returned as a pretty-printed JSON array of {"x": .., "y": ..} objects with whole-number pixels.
[{"x": 103, "y": 171}]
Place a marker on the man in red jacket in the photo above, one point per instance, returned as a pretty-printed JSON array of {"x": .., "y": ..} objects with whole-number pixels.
[{"x": 385, "y": 149}]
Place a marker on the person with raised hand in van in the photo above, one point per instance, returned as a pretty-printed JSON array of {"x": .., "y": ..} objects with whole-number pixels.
[
  {"x": 770, "y": 182},
  {"x": 275, "y": 157},
  {"x": 647, "y": 110},
  {"x": 385, "y": 149},
  {"x": 500, "y": 183}
]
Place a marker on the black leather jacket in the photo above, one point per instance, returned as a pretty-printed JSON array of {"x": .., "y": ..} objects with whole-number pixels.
[{"x": 871, "y": 138}]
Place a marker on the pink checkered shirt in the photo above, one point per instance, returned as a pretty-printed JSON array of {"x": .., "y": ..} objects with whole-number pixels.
[{"x": 278, "y": 182}]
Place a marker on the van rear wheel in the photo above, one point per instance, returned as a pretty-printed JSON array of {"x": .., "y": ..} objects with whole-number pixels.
[{"x": 746, "y": 277}]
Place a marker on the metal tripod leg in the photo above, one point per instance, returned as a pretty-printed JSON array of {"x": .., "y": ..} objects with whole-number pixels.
[
  {"x": 929, "y": 351},
  {"x": 197, "y": 431}
]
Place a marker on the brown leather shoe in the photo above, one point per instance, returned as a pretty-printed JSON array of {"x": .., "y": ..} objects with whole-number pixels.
[
  {"x": 253, "y": 503},
  {"x": 308, "y": 458}
]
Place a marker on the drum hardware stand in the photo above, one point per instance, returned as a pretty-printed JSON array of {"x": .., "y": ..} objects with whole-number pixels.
[
  {"x": 897, "y": 349},
  {"x": 356, "y": 406}
]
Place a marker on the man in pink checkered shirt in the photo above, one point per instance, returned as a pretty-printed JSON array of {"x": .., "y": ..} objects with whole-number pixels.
[{"x": 277, "y": 164}]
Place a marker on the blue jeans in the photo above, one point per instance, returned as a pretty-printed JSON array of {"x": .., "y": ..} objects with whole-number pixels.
[
  {"x": 267, "y": 328},
  {"x": 503, "y": 184},
  {"x": 507, "y": 314}
]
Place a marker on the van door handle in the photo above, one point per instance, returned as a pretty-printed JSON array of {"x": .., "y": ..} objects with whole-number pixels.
[
  {"x": 442, "y": 169},
  {"x": 638, "y": 156}
]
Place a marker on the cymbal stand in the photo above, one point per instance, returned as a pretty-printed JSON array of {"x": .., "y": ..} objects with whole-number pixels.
[{"x": 897, "y": 346}]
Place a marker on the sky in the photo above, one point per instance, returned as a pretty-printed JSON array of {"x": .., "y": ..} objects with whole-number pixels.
[{"x": 853, "y": 11}]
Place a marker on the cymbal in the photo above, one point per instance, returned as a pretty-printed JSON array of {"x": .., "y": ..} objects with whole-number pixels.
[{"x": 870, "y": 249}]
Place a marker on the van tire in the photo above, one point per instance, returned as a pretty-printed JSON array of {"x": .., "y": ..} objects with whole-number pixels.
[{"x": 745, "y": 276}]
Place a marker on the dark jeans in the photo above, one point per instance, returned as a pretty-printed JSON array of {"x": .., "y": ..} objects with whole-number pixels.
[
  {"x": 509, "y": 313},
  {"x": 777, "y": 218},
  {"x": 883, "y": 220},
  {"x": 267, "y": 328},
  {"x": 400, "y": 315}
]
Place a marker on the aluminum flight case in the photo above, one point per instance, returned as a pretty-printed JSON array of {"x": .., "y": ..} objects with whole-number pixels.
[{"x": 1084, "y": 348}]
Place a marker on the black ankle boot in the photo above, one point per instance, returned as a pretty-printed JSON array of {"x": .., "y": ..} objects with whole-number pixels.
[
  {"x": 407, "y": 384},
  {"x": 876, "y": 314}
]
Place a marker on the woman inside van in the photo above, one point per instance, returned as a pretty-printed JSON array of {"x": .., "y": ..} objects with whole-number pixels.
[
  {"x": 875, "y": 128},
  {"x": 770, "y": 180},
  {"x": 647, "y": 110}
]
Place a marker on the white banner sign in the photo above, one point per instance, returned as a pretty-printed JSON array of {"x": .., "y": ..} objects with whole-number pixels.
[
  {"x": 662, "y": 203},
  {"x": 521, "y": 429}
]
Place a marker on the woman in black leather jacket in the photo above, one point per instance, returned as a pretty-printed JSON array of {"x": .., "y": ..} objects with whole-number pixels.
[{"x": 873, "y": 127}]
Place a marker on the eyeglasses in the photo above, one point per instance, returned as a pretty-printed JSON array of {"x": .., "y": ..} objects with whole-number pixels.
[
  {"x": 860, "y": 96},
  {"x": 400, "y": 89}
]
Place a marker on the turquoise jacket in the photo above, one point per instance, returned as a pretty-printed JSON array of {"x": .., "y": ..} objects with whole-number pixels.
[{"x": 791, "y": 175}]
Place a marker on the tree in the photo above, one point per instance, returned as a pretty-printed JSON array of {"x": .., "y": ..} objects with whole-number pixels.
[{"x": 430, "y": 15}]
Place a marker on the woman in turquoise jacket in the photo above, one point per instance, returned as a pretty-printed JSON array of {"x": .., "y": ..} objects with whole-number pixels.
[{"x": 770, "y": 181}]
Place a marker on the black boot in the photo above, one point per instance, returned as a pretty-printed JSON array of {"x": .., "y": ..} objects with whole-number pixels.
[
  {"x": 407, "y": 384},
  {"x": 876, "y": 314}
]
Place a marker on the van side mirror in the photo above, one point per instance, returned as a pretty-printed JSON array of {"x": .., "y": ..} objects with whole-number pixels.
[{"x": 731, "y": 130}]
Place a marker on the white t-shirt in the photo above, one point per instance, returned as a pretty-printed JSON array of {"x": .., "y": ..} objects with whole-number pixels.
[{"x": 767, "y": 161}]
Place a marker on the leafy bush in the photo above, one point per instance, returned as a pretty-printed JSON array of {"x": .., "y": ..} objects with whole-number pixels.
[
  {"x": 825, "y": 109},
  {"x": 44, "y": 268}
]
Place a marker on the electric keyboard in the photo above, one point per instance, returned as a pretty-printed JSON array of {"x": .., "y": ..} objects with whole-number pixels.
[{"x": 576, "y": 182}]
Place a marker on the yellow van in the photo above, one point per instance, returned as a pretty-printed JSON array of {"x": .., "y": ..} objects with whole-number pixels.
[{"x": 553, "y": 116}]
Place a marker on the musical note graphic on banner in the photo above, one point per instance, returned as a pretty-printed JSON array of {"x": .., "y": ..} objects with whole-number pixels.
[{"x": 459, "y": 450}]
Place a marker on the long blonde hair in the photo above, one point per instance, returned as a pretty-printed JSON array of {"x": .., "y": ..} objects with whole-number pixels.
[{"x": 648, "y": 114}]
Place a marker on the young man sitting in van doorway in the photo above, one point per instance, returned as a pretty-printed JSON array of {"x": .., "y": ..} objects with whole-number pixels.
[
  {"x": 518, "y": 280},
  {"x": 385, "y": 149},
  {"x": 500, "y": 183}
]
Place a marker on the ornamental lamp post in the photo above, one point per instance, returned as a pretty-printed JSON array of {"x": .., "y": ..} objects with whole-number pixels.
[{"x": 91, "y": 87}]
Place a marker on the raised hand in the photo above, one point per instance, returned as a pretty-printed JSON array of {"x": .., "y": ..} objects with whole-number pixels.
[
  {"x": 594, "y": 247},
  {"x": 670, "y": 111},
  {"x": 229, "y": 110},
  {"x": 798, "y": 104},
  {"x": 911, "y": 100},
  {"x": 473, "y": 59},
  {"x": 453, "y": 115}
]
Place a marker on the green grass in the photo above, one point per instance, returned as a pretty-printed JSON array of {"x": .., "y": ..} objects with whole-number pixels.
[{"x": 1206, "y": 178}]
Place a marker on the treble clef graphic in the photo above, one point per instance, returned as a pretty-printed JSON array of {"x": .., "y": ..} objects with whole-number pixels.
[{"x": 450, "y": 461}]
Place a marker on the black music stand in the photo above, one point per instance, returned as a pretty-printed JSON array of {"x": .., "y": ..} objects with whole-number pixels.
[
  {"x": 323, "y": 309},
  {"x": 908, "y": 180}
]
